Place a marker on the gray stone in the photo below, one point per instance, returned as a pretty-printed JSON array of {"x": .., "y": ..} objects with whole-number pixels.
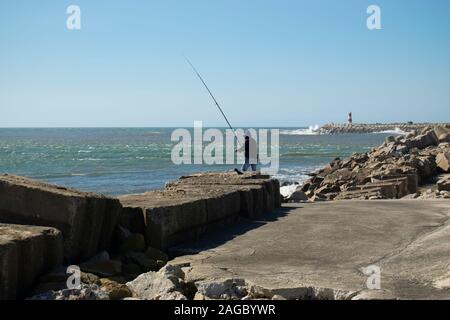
[
  {"x": 297, "y": 196},
  {"x": 221, "y": 288},
  {"x": 156, "y": 286},
  {"x": 85, "y": 292}
]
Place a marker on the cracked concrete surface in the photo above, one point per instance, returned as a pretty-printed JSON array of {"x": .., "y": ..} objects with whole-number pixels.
[{"x": 318, "y": 250}]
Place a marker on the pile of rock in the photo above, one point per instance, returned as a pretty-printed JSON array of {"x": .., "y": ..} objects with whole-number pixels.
[
  {"x": 346, "y": 128},
  {"x": 403, "y": 166}
]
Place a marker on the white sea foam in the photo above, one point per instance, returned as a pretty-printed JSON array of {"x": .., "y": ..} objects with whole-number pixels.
[
  {"x": 396, "y": 131},
  {"x": 312, "y": 130}
]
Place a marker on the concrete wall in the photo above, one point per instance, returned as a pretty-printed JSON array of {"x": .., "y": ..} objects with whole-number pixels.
[
  {"x": 194, "y": 205},
  {"x": 86, "y": 220},
  {"x": 26, "y": 252}
]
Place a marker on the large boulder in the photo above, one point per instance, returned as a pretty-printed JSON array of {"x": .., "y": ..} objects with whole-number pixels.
[
  {"x": 86, "y": 220},
  {"x": 165, "y": 284},
  {"x": 297, "y": 196},
  {"x": 445, "y": 137},
  {"x": 444, "y": 184},
  {"x": 443, "y": 161},
  {"x": 424, "y": 140},
  {"x": 222, "y": 289}
]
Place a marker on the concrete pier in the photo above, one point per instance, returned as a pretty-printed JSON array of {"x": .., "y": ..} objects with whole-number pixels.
[{"x": 320, "y": 251}]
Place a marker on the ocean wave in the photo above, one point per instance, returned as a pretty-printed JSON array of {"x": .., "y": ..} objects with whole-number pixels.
[
  {"x": 309, "y": 154},
  {"x": 312, "y": 130},
  {"x": 396, "y": 131},
  {"x": 286, "y": 191},
  {"x": 89, "y": 159}
]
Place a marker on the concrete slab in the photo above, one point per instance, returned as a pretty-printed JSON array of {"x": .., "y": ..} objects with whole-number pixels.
[
  {"x": 86, "y": 220},
  {"x": 26, "y": 252},
  {"x": 319, "y": 250},
  {"x": 200, "y": 203}
]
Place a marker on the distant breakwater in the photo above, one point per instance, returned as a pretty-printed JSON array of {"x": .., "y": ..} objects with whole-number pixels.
[{"x": 342, "y": 128}]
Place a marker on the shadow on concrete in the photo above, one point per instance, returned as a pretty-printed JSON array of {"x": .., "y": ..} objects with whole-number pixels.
[{"x": 216, "y": 238}]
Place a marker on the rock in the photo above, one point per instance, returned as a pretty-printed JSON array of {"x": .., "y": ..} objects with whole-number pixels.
[
  {"x": 439, "y": 130},
  {"x": 297, "y": 196},
  {"x": 134, "y": 243},
  {"x": 157, "y": 285},
  {"x": 411, "y": 196},
  {"x": 199, "y": 296},
  {"x": 402, "y": 149},
  {"x": 89, "y": 278},
  {"x": 156, "y": 254},
  {"x": 317, "y": 198},
  {"x": 115, "y": 291},
  {"x": 222, "y": 289},
  {"x": 278, "y": 297},
  {"x": 106, "y": 268},
  {"x": 374, "y": 295},
  {"x": 445, "y": 137},
  {"x": 48, "y": 286},
  {"x": 175, "y": 295},
  {"x": 328, "y": 188},
  {"x": 26, "y": 253},
  {"x": 389, "y": 139},
  {"x": 173, "y": 272},
  {"x": 424, "y": 140},
  {"x": 443, "y": 161},
  {"x": 86, "y": 292},
  {"x": 427, "y": 166},
  {"x": 444, "y": 184}
]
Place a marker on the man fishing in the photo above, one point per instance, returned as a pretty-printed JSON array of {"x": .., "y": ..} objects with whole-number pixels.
[{"x": 249, "y": 149}]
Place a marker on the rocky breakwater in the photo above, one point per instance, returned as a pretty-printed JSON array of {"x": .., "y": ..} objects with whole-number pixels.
[
  {"x": 372, "y": 128},
  {"x": 50, "y": 235},
  {"x": 412, "y": 166}
]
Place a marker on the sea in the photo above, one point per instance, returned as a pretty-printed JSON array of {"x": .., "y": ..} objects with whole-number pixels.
[{"x": 115, "y": 161}]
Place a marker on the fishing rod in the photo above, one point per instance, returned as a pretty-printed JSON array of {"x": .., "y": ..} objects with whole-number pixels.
[{"x": 212, "y": 96}]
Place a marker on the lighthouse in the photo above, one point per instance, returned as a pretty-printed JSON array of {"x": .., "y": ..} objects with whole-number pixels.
[{"x": 350, "y": 120}]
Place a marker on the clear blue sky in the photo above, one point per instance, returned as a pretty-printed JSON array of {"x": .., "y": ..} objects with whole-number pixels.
[{"x": 270, "y": 63}]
